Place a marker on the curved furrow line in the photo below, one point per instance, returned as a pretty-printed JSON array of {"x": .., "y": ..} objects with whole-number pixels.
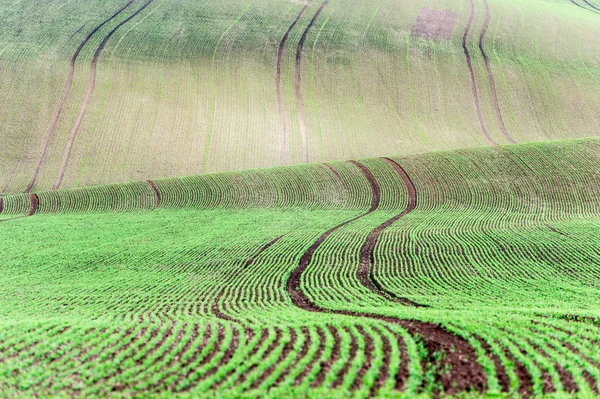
[
  {"x": 352, "y": 352},
  {"x": 465, "y": 373},
  {"x": 591, "y": 5},
  {"x": 33, "y": 345},
  {"x": 285, "y": 352},
  {"x": 88, "y": 94},
  {"x": 253, "y": 357},
  {"x": 65, "y": 93},
  {"x": 595, "y": 10},
  {"x": 365, "y": 270},
  {"x": 368, "y": 349},
  {"x": 154, "y": 188},
  {"x": 491, "y": 82},
  {"x": 1, "y": 204},
  {"x": 297, "y": 81},
  {"x": 501, "y": 374},
  {"x": 326, "y": 365},
  {"x": 202, "y": 354},
  {"x": 282, "y": 133},
  {"x": 472, "y": 74},
  {"x": 272, "y": 339},
  {"x": 167, "y": 369},
  {"x": 402, "y": 376},
  {"x": 301, "y": 354},
  {"x": 223, "y": 357},
  {"x": 312, "y": 356},
  {"x": 34, "y": 205}
]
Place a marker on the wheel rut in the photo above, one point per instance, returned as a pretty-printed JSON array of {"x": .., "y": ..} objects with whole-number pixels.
[
  {"x": 297, "y": 81},
  {"x": 458, "y": 357},
  {"x": 88, "y": 94},
  {"x": 65, "y": 93},
  {"x": 282, "y": 132}
]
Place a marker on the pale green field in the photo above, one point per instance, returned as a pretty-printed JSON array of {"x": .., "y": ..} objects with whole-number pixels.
[{"x": 189, "y": 87}]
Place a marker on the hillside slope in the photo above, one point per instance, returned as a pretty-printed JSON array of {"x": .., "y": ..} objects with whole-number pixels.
[
  {"x": 114, "y": 91},
  {"x": 444, "y": 272}
]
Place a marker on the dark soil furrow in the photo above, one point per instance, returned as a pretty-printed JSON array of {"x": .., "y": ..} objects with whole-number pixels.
[
  {"x": 472, "y": 74},
  {"x": 351, "y": 355},
  {"x": 156, "y": 193},
  {"x": 229, "y": 352},
  {"x": 384, "y": 370},
  {"x": 65, "y": 93},
  {"x": 285, "y": 352},
  {"x": 325, "y": 366},
  {"x": 300, "y": 377},
  {"x": 270, "y": 348},
  {"x": 297, "y": 80},
  {"x": 365, "y": 272},
  {"x": 34, "y": 201},
  {"x": 278, "y": 82},
  {"x": 595, "y": 10},
  {"x": 464, "y": 373},
  {"x": 591, "y": 5},
  {"x": 566, "y": 378},
  {"x": 301, "y": 354},
  {"x": 402, "y": 376},
  {"x": 501, "y": 375},
  {"x": 88, "y": 94},
  {"x": 488, "y": 68},
  {"x": 368, "y": 351}
]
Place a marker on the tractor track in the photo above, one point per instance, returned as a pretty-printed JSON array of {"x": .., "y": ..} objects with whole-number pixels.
[
  {"x": 88, "y": 94},
  {"x": 65, "y": 93}
]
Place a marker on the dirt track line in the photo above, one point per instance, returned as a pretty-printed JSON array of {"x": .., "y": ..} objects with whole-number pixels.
[
  {"x": 278, "y": 82},
  {"x": 460, "y": 358},
  {"x": 1, "y": 204},
  {"x": 297, "y": 81},
  {"x": 156, "y": 193},
  {"x": 591, "y": 5},
  {"x": 491, "y": 82},
  {"x": 595, "y": 10},
  {"x": 65, "y": 93},
  {"x": 472, "y": 74},
  {"x": 88, "y": 94},
  {"x": 365, "y": 269}
]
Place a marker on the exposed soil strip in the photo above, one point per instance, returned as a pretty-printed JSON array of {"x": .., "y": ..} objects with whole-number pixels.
[
  {"x": 301, "y": 354},
  {"x": 88, "y": 94},
  {"x": 365, "y": 269},
  {"x": 402, "y": 376},
  {"x": 260, "y": 251},
  {"x": 287, "y": 348},
  {"x": 268, "y": 351},
  {"x": 368, "y": 350},
  {"x": 1, "y": 204},
  {"x": 472, "y": 74},
  {"x": 384, "y": 369},
  {"x": 351, "y": 355},
  {"x": 297, "y": 79},
  {"x": 556, "y": 231},
  {"x": 335, "y": 355},
  {"x": 501, "y": 375},
  {"x": 492, "y": 84},
  {"x": 307, "y": 369},
  {"x": 34, "y": 201},
  {"x": 65, "y": 93},
  {"x": 461, "y": 372},
  {"x": 156, "y": 193},
  {"x": 278, "y": 82},
  {"x": 229, "y": 352},
  {"x": 566, "y": 378}
]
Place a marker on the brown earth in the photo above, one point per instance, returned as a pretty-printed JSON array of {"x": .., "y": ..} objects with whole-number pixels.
[{"x": 432, "y": 23}]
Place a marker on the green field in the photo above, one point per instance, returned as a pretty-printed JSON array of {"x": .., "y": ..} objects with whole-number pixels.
[{"x": 298, "y": 199}]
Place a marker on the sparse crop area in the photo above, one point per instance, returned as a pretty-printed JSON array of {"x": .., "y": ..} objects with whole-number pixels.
[{"x": 300, "y": 199}]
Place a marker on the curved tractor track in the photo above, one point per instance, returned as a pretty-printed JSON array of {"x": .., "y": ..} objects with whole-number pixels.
[
  {"x": 88, "y": 94},
  {"x": 278, "y": 81},
  {"x": 65, "y": 93},
  {"x": 297, "y": 81},
  {"x": 457, "y": 371},
  {"x": 472, "y": 74}
]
